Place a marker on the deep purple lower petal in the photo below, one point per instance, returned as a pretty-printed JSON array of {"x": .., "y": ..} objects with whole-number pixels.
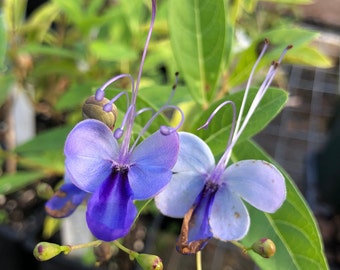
[
  {"x": 199, "y": 227},
  {"x": 65, "y": 201},
  {"x": 110, "y": 211},
  {"x": 195, "y": 231}
]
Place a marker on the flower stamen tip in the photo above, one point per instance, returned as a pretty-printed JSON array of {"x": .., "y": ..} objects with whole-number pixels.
[
  {"x": 118, "y": 133},
  {"x": 99, "y": 94},
  {"x": 166, "y": 130}
]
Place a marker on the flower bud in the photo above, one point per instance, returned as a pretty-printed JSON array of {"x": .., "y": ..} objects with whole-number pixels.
[
  {"x": 149, "y": 261},
  {"x": 44, "y": 251},
  {"x": 93, "y": 109},
  {"x": 264, "y": 247}
]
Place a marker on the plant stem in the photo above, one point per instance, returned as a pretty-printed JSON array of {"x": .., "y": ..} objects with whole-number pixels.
[
  {"x": 95, "y": 243},
  {"x": 131, "y": 253},
  {"x": 199, "y": 260}
]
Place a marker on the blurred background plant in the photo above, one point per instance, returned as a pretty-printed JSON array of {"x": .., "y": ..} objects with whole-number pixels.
[{"x": 55, "y": 56}]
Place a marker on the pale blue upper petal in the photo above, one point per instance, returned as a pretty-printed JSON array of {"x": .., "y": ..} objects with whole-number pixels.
[
  {"x": 180, "y": 194},
  {"x": 229, "y": 218},
  {"x": 194, "y": 163},
  {"x": 258, "y": 182},
  {"x": 90, "y": 149},
  {"x": 151, "y": 163},
  {"x": 194, "y": 155}
]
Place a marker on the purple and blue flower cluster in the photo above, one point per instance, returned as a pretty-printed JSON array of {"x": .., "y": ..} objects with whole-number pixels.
[{"x": 109, "y": 169}]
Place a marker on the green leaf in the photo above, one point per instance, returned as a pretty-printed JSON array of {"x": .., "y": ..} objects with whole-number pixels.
[
  {"x": 293, "y": 227},
  {"x": 41, "y": 20},
  {"x": 75, "y": 95},
  {"x": 216, "y": 135},
  {"x": 10, "y": 183},
  {"x": 72, "y": 9},
  {"x": 197, "y": 34},
  {"x": 103, "y": 50},
  {"x": 14, "y": 14},
  {"x": 50, "y": 140},
  {"x": 308, "y": 55},
  {"x": 6, "y": 82}
]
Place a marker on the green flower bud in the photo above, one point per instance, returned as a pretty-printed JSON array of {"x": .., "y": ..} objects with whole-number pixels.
[
  {"x": 264, "y": 247},
  {"x": 93, "y": 109},
  {"x": 44, "y": 251},
  {"x": 149, "y": 261}
]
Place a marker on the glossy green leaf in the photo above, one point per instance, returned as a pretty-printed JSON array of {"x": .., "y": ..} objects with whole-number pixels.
[
  {"x": 293, "y": 227},
  {"x": 197, "y": 34},
  {"x": 217, "y": 133},
  {"x": 10, "y": 183},
  {"x": 307, "y": 55}
]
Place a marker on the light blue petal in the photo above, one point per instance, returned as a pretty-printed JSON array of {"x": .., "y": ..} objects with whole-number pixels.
[
  {"x": 194, "y": 155},
  {"x": 258, "y": 182},
  {"x": 90, "y": 149},
  {"x": 151, "y": 163},
  {"x": 229, "y": 218},
  {"x": 180, "y": 194}
]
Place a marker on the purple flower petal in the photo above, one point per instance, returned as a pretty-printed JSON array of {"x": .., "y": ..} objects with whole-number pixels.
[
  {"x": 199, "y": 223},
  {"x": 110, "y": 211},
  {"x": 90, "y": 149},
  {"x": 65, "y": 201},
  {"x": 229, "y": 218},
  {"x": 258, "y": 182},
  {"x": 180, "y": 194},
  {"x": 151, "y": 164}
]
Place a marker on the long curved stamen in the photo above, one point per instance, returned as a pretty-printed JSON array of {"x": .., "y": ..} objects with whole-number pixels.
[
  {"x": 261, "y": 92},
  {"x": 173, "y": 88},
  {"x": 164, "y": 129},
  {"x": 108, "y": 106},
  {"x": 258, "y": 97},
  {"x": 132, "y": 113},
  {"x": 118, "y": 133},
  {"x": 144, "y": 110},
  {"x": 153, "y": 16},
  {"x": 220, "y": 165},
  {"x": 264, "y": 49},
  {"x": 100, "y": 93}
]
